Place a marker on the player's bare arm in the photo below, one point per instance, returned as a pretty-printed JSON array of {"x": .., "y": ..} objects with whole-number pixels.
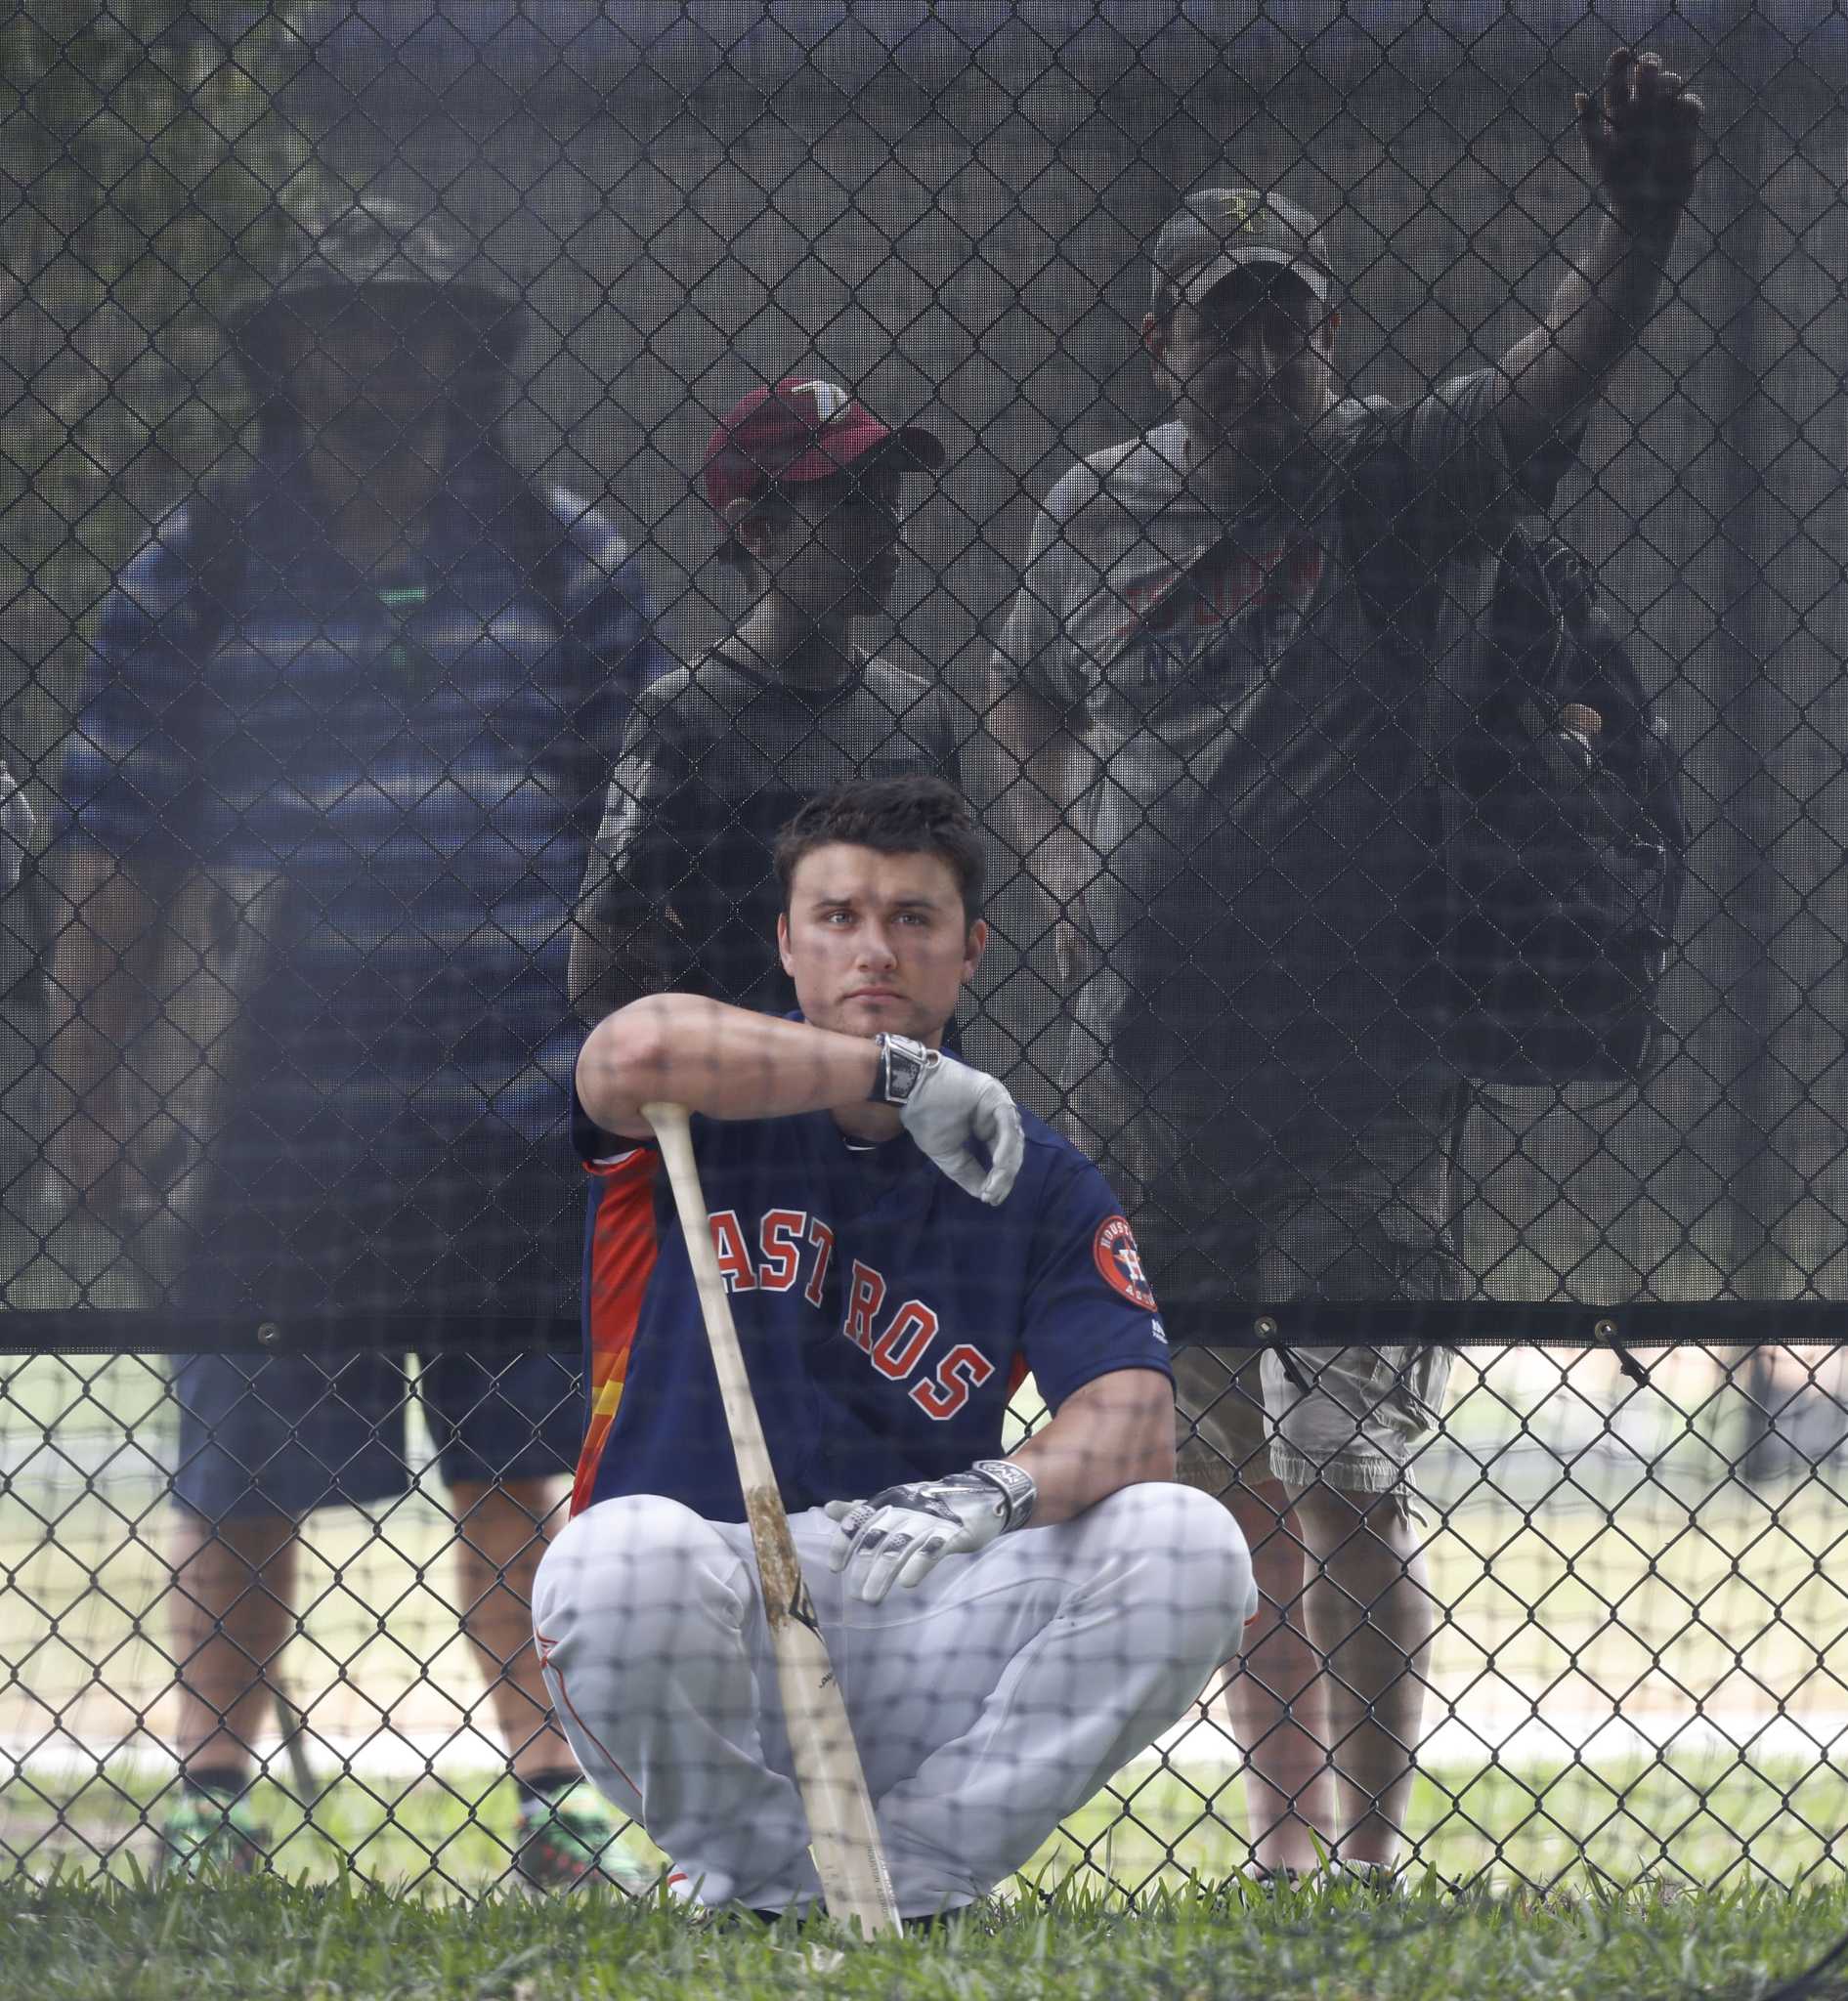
[
  {"x": 1641, "y": 130},
  {"x": 1110, "y": 1434},
  {"x": 726, "y": 1062},
  {"x": 731, "y": 1063}
]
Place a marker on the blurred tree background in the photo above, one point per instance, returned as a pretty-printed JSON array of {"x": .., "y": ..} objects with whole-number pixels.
[{"x": 150, "y": 181}]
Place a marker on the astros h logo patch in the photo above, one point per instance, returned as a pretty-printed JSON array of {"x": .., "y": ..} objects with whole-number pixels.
[{"x": 1121, "y": 1263}]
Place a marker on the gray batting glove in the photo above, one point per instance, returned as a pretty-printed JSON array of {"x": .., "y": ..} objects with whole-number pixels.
[
  {"x": 944, "y": 1105},
  {"x": 902, "y": 1534}
]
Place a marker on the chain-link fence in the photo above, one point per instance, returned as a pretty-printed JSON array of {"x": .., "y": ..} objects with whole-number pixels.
[
  {"x": 1636, "y": 1661},
  {"x": 364, "y": 544}
]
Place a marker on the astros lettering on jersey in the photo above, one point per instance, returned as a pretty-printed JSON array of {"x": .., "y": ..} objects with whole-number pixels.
[{"x": 886, "y": 1316}]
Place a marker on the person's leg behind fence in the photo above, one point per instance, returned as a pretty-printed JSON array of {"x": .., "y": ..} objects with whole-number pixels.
[
  {"x": 1270, "y": 1691},
  {"x": 262, "y": 1443},
  {"x": 1371, "y": 1226},
  {"x": 508, "y": 1426}
]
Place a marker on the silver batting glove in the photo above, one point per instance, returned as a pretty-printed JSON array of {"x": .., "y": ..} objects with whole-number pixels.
[
  {"x": 944, "y": 1105},
  {"x": 902, "y": 1534}
]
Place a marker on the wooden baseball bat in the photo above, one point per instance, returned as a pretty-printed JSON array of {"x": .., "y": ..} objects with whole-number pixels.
[{"x": 843, "y": 1836}]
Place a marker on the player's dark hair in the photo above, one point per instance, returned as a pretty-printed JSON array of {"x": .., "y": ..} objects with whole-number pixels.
[{"x": 914, "y": 815}]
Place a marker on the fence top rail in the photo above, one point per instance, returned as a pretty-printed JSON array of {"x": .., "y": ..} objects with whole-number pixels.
[{"x": 1243, "y": 1325}]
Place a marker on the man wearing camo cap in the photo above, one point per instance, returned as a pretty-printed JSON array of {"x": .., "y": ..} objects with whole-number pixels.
[{"x": 1219, "y": 798}]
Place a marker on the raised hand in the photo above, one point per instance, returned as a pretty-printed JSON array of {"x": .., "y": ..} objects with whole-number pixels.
[{"x": 1641, "y": 128}]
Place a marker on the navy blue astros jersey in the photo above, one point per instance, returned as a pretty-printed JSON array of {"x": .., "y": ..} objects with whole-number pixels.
[{"x": 886, "y": 1315}]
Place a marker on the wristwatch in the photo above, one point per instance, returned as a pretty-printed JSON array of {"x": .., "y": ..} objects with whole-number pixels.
[{"x": 903, "y": 1066}]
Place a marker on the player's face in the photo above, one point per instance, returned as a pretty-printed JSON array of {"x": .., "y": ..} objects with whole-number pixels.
[
  {"x": 833, "y": 550},
  {"x": 877, "y": 943},
  {"x": 1249, "y": 367}
]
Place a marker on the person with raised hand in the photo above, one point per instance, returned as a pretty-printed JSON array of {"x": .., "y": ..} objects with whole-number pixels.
[{"x": 1224, "y": 805}]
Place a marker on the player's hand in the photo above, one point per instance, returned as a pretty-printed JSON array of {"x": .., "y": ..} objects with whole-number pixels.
[
  {"x": 1641, "y": 128},
  {"x": 953, "y": 1103},
  {"x": 902, "y": 1534}
]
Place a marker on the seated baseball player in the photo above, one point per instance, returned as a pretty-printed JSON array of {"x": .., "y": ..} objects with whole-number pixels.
[{"x": 901, "y": 1245}]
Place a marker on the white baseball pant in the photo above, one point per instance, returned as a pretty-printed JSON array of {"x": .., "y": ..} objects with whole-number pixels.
[{"x": 988, "y": 1703}]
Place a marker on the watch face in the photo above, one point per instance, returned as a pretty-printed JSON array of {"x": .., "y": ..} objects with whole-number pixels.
[
  {"x": 901, "y": 1064},
  {"x": 904, "y": 1065}
]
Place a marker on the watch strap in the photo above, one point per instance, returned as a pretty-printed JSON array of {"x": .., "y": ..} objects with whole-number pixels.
[
  {"x": 1017, "y": 1489},
  {"x": 903, "y": 1065}
]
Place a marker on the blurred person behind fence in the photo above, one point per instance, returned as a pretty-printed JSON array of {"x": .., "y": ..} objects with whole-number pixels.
[
  {"x": 806, "y": 485},
  {"x": 1220, "y": 801},
  {"x": 330, "y": 796}
]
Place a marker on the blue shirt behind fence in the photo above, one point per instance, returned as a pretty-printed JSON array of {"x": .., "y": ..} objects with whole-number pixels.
[{"x": 402, "y": 773}]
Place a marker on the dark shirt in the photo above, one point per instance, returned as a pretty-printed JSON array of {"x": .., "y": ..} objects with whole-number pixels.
[
  {"x": 681, "y": 892},
  {"x": 1262, "y": 818}
]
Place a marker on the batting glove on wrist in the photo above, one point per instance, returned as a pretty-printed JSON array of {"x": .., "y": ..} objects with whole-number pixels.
[
  {"x": 945, "y": 1105},
  {"x": 902, "y": 1533}
]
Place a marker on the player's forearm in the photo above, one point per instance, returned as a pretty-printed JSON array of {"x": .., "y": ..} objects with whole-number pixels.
[
  {"x": 1112, "y": 1433},
  {"x": 1599, "y": 312},
  {"x": 726, "y": 1062}
]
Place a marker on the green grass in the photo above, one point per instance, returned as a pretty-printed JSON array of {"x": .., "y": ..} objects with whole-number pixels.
[
  {"x": 1653, "y": 1607},
  {"x": 348, "y": 1941},
  {"x": 437, "y": 1837},
  {"x": 1703, "y": 1822},
  {"x": 1735, "y": 1612}
]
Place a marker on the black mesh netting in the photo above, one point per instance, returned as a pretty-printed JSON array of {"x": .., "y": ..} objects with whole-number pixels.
[{"x": 362, "y": 599}]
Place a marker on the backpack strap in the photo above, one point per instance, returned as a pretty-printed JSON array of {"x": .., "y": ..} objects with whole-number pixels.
[{"x": 1427, "y": 620}]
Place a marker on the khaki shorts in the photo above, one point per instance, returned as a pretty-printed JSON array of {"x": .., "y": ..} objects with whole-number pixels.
[
  {"x": 1357, "y": 1421},
  {"x": 1348, "y": 1198}
]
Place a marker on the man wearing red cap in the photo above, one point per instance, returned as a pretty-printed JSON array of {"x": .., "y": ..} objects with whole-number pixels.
[{"x": 680, "y": 895}]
